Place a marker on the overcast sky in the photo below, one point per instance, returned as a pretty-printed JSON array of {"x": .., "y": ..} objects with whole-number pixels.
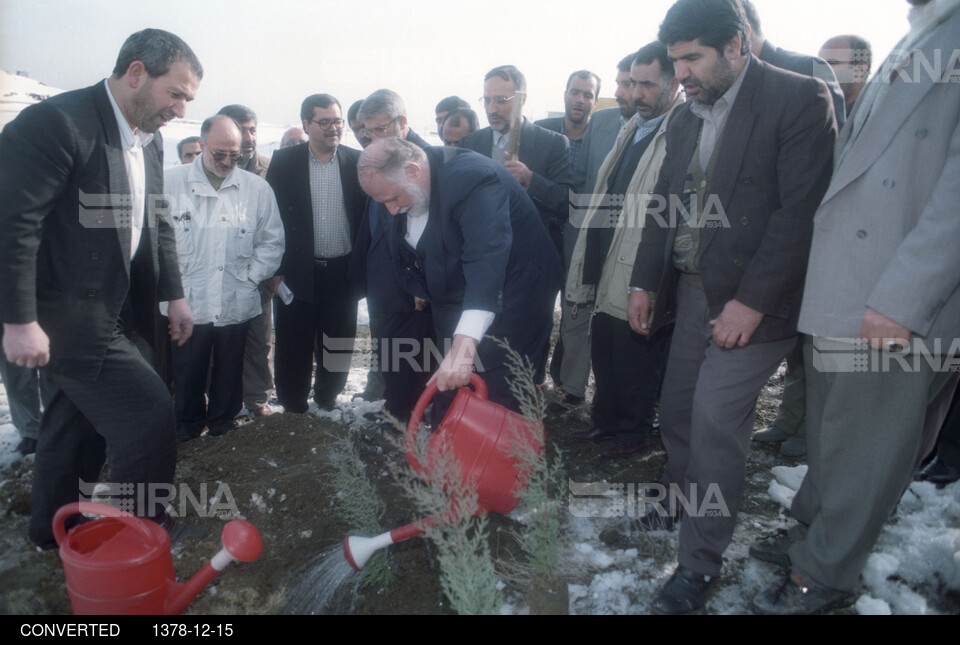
[{"x": 270, "y": 55}]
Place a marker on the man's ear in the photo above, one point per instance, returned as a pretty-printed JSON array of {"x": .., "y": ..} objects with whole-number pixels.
[
  {"x": 733, "y": 48},
  {"x": 136, "y": 75},
  {"x": 413, "y": 171}
]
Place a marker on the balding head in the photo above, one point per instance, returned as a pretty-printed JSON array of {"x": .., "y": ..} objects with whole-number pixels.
[
  {"x": 221, "y": 139},
  {"x": 396, "y": 173}
]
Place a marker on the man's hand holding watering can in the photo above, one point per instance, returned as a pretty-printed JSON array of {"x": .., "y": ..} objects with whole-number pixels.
[{"x": 457, "y": 366}]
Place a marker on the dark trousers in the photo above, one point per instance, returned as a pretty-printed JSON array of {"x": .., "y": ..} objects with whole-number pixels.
[
  {"x": 403, "y": 340},
  {"x": 324, "y": 329},
  {"x": 24, "y": 394},
  {"x": 125, "y": 416},
  {"x": 627, "y": 368},
  {"x": 216, "y": 352}
]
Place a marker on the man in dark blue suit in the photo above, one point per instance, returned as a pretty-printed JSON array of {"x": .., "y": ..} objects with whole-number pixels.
[{"x": 472, "y": 243}]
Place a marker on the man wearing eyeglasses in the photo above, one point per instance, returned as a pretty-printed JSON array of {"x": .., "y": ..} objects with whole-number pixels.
[
  {"x": 229, "y": 240},
  {"x": 395, "y": 316},
  {"x": 321, "y": 205},
  {"x": 542, "y": 165}
]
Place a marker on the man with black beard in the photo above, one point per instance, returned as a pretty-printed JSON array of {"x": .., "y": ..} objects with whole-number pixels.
[{"x": 723, "y": 254}]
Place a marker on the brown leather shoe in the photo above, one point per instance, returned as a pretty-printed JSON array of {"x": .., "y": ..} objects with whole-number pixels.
[
  {"x": 593, "y": 435},
  {"x": 623, "y": 449}
]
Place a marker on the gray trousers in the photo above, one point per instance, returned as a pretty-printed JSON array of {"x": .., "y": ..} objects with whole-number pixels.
[
  {"x": 792, "y": 410},
  {"x": 866, "y": 434},
  {"x": 257, "y": 375},
  {"x": 574, "y": 369},
  {"x": 707, "y": 409}
]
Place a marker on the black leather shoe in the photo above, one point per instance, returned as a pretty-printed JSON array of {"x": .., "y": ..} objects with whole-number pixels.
[
  {"x": 623, "y": 449},
  {"x": 593, "y": 435},
  {"x": 798, "y": 595},
  {"x": 940, "y": 473},
  {"x": 659, "y": 519},
  {"x": 27, "y": 446},
  {"x": 567, "y": 403},
  {"x": 685, "y": 593},
  {"x": 773, "y": 549}
]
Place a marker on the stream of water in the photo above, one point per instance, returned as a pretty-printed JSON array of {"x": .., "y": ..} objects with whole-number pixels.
[{"x": 321, "y": 579}]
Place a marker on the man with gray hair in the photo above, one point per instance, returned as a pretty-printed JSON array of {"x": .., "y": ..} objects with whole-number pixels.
[
  {"x": 396, "y": 316},
  {"x": 384, "y": 115},
  {"x": 486, "y": 265},
  {"x": 229, "y": 240}
]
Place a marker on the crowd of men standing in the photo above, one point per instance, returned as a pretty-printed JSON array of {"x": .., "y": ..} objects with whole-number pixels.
[{"x": 743, "y": 204}]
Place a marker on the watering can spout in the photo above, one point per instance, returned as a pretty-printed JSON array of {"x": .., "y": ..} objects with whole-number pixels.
[
  {"x": 358, "y": 550},
  {"x": 241, "y": 543}
]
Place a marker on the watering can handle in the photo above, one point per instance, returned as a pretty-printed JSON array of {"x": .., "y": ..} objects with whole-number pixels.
[
  {"x": 93, "y": 508},
  {"x": 414, "y": 425}
]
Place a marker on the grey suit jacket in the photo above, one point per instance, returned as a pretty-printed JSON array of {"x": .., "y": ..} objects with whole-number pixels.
[
  {"x": 65, "y": 232},
  {"x": 598, "y": 140},
  {"x": 773, "y": 166},
  {"x": 886, "y": 234}
]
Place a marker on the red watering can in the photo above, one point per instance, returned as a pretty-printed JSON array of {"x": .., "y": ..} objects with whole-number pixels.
[
  {"x": 483, "y": 437},
  {"x": 121, "y": 564}
]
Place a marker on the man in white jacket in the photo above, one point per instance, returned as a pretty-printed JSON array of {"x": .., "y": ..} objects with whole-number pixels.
[{"x": 229, "y": 240}]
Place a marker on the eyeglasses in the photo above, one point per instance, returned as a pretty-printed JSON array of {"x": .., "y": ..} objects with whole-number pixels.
[
  {"x": 233, "y": 156},
  {"x": 326, "y": 124},
  {"x": 499, "y": 100},
  {"x": 379, "y": 131}
]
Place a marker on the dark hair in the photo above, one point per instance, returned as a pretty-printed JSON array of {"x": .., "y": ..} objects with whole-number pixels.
[
  {"x": 184, "y": 142},
  {"x": 585, "y": 75},
  {"x": 209, "y": 121},
  {"x": 624, "y": 65},
  {"x": 753, "y": 18},
  {"x": 713, "y": 22},
  {"x": 454, "y": 117},
  {"x": 158, "y": 50},
  {"x": 239, "y": 113},
  {"x": 316, "y": 101},
  {"x": 354, "y": 110},
  {"x": 509, "y": 73},
  {"x": 450, "y": 103},
  {"x": 656, "y": 51}
]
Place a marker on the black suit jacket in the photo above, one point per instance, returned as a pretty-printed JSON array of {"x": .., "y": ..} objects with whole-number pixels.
[
  {"x": 773, "y": 167},
  {"x": 547, "y": 155},
  {"x": 65, "y": 232},
  {"x": 808, "y": 66},
  {"x": 484, "y": 248},
  {"x": 289, "y": 176},
  {"x": 374, "y": 267}
]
